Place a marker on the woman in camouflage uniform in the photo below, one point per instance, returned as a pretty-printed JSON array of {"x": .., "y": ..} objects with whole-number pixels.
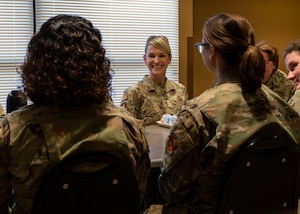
[
  {"x": 155, "y": 95},
  {"x": 292, "y": 61},
  {"x": 274, "y": 78},
  {"x": 213, "y": 126},
  {"x": 67, "y": 77}
]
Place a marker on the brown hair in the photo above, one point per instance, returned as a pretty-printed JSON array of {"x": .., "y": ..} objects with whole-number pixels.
[
  {"x": 233, "y": 36},
  {"x": 270, "y": 50},
  {"x": 292, "y": 46}
]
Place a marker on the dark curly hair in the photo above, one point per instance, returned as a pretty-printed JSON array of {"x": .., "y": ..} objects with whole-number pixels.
[{"x": 66, "y": 64}]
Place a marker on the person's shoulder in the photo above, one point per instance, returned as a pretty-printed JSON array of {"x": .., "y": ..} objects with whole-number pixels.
[
  {"x": 135, "y": 91},
  {"x": 294, "y": 101},
  {"x": 295, "y": 97},
  {"x": 172, "y": 82},
  {"x": 29, "y": 111},
  {"x": 121, "y": 112},
  {"x": 280, "y": 73},
  {"x": 221, "y": 93},
  {"x": 279, "y": 82},
  {"x": 180, "y": 85},
  {"x": 144, "y": 84},
  {"x": 145, "y": 81},
  {"x": 131, "y": 123},
  {"x": 177, "y": 86},
  {"x": 280, "y": 76}
]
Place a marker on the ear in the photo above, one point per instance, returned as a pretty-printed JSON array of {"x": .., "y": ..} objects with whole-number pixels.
[
  {"x": 170, "y": 58},
  {"x": 212, "y": 52},
  {"x": 144, "y": 58}
]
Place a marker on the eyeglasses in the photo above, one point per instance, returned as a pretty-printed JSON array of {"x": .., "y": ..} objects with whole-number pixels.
[
  {"x": 200, "y": 45},
  {"x": 267, "y": 61}
]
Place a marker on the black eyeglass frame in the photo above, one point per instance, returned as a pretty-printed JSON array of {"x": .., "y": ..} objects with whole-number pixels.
[{"x": 199, "y": 46}]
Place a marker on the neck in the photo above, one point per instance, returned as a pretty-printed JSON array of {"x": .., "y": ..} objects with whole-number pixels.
[
  {"x": 227, "y": 76},
  {"x": 158, "y": 79},
  {"x": 225, "y": 72}
]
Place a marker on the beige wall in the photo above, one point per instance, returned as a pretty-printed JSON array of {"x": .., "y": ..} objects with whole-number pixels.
[{"x": 276, "y": 21}]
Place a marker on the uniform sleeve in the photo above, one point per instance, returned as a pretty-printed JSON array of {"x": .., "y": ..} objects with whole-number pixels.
[
  {"x": 140, "y": 151},
  {"x": 2, "y": 112},
  {"x": 295, "y": 101},
  {"x": 130, "y": 101},
  {"x": 185, "y": 92},
  {"x": 281, "y": 85},
  {"x": 183, "y": 96},
  {"x": 186, "y": 95},
  {"x": 5, "y": 188},
  {"x": 289, "y": 91},
  {"x": 143, "y": 163},
  {"x": 285, "y": 89},
  {"x": 124, "y": 98},
  {"x": 181, "y": 163}
]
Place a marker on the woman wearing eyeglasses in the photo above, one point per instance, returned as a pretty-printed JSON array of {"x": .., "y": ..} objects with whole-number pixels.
[{"x": 214, "y": 125}]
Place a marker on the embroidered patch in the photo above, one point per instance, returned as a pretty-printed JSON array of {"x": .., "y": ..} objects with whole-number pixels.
[{"x": 171, "y": 143}]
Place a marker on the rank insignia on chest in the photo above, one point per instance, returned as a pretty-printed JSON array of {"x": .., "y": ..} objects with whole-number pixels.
[{"x": 171, "y": 143}]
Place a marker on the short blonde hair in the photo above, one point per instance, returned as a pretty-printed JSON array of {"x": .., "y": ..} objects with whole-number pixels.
[{"x": 159, "y": 42}]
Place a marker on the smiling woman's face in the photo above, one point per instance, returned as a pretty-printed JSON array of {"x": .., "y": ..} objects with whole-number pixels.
[
  {"x": 157, "y": 61},
  {"x": 292, "y": 63}
]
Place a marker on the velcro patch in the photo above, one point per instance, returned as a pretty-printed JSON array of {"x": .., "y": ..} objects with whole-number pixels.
[{"x": 171, "y": 143}]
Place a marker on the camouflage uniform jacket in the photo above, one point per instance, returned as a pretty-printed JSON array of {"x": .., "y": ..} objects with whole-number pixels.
[
  {"x": 42, "y": 136},
  {"x": 148, "y": 101},
  {"x": 210, "y": 129},
  {"x": 2, "y": 113},
  {"x": 281, "y": 85},
  {"x": 295, "y": 101}
]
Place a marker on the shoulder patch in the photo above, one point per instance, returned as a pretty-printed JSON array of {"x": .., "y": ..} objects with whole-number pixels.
[{"x": 171, "y": 143}]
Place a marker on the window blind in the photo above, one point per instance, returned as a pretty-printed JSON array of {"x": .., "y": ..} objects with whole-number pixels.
[
  {"x": 16, "y": 28},
  {"x": 125, "y": 27}
]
